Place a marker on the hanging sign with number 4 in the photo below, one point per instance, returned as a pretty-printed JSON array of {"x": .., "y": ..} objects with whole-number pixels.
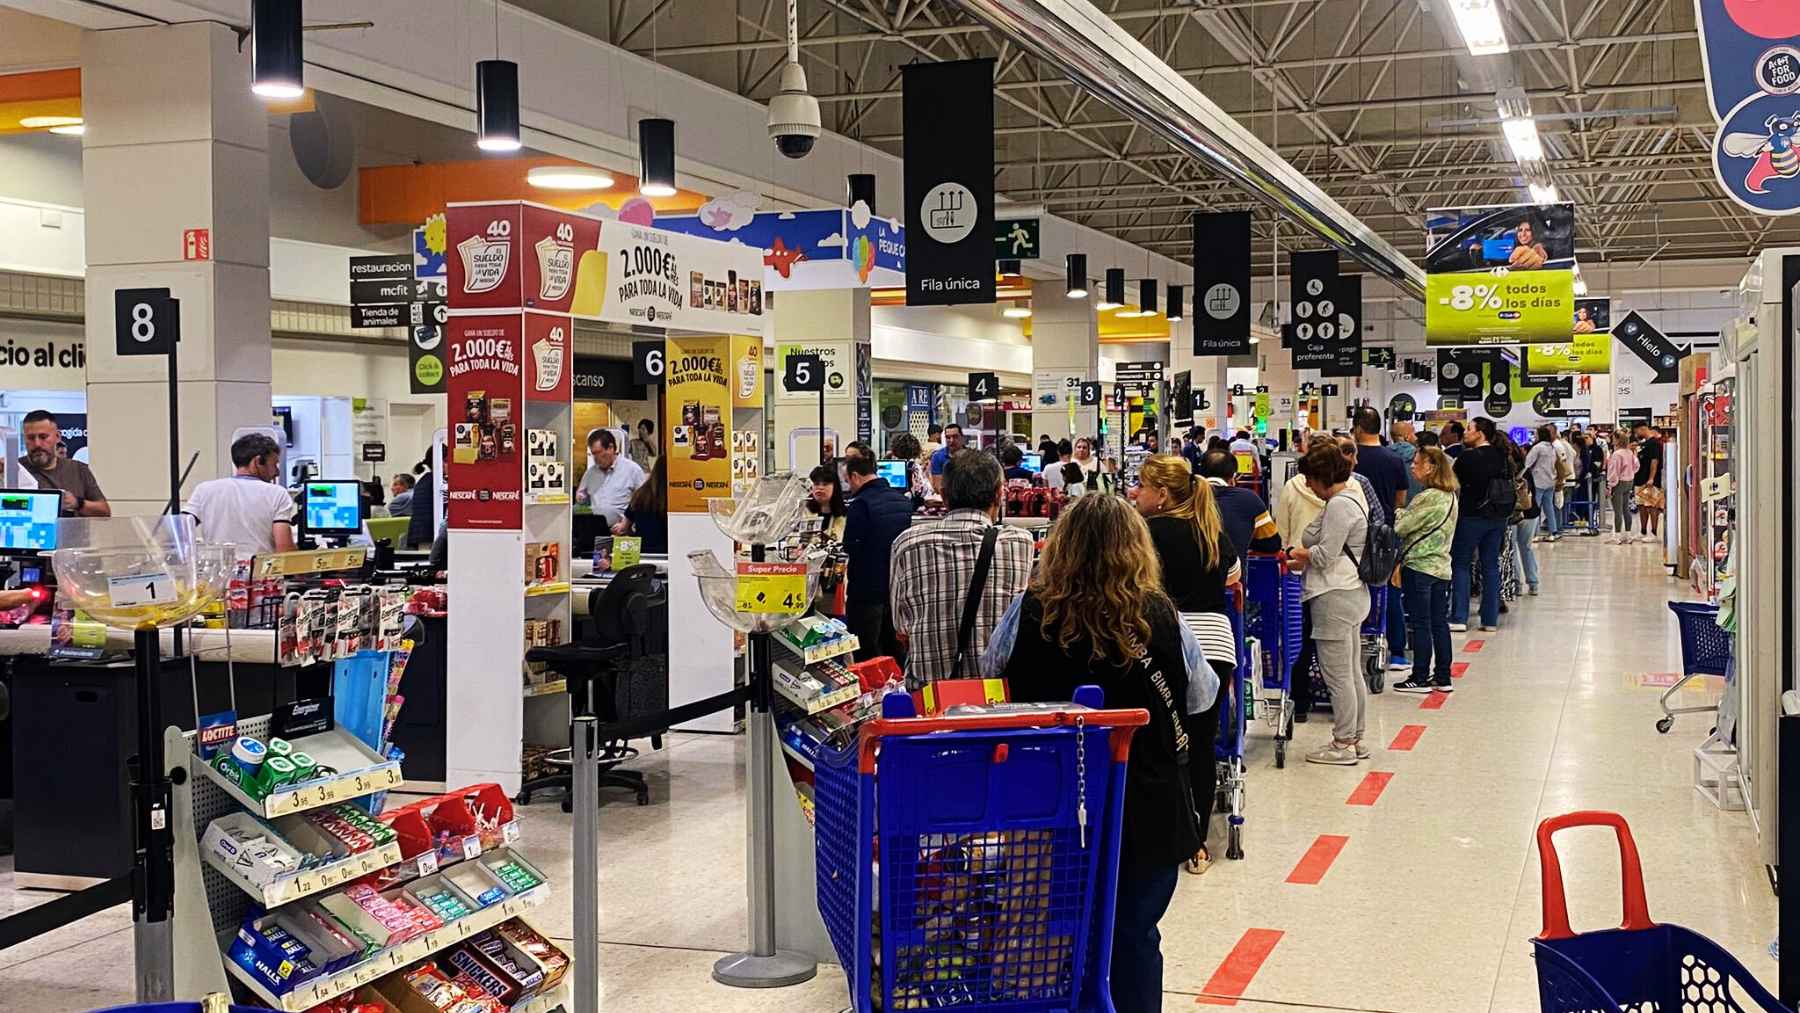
[
  {"x": 146, "y": 321},
  {"x": 984, "y": 386}
]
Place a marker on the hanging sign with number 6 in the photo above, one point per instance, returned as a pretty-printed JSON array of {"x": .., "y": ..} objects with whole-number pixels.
[
  {"x": 146, "y": 321},
  {"x": 647, "y": 363}
]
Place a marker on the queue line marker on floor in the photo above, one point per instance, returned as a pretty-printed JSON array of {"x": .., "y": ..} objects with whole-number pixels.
[
  {"x": 1373, "y": 784},
  {"x": 1317, "y": 861},
  {"x": 1458, "y": 669},
  {"x": 1434, "y": 701},
  {"x": 1474, "y": 646},
  {"x": 1408, "y": 738},
  {"x": 1227, "y": 984}
]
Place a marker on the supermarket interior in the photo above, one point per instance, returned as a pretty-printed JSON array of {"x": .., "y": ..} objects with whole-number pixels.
[{"x": 1304, "y": 529}]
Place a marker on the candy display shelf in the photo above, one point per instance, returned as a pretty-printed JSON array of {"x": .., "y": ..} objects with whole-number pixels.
[
  {"x": 821, "y": 652},
  {"x": 545, "y": 590},
  {"x": 362, "y": 771},
  {"x": 311, "y": 993},
  {"x": 307, "y": 882}
]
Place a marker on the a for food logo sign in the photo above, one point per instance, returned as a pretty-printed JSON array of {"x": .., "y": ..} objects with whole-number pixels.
[{"x": 1751, "y": 51}]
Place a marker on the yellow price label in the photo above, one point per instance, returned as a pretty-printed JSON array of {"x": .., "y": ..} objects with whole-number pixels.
[
  {"x": 778, "y": 588},
  {"x": 628, "y": 551}
]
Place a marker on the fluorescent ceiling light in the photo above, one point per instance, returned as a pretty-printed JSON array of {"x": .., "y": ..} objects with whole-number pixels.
[
  {"x": 1522, "y": 137},
  {"x": 1078, "y": 293},
  {"x": 49, "y": 122},
  {"x": 1542, "y": 193},
  {"x": 568, "y": 177},
  {"x": 1479, "y": 22},
  {"x": 1581, "y": 286},
  {"x": 1016, "y": 312},
  {"x": 1103, "y": 305},
  {"x": 70, "y": 129}
]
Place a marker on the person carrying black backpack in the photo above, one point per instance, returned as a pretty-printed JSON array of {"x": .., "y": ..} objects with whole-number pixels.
[{"x": 1486, "y": 500}]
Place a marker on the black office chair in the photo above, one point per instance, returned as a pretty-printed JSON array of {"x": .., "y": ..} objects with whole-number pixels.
[{"x": 626, "y": 655}]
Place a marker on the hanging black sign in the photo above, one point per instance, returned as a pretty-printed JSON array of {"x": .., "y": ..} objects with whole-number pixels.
[
  {"x": 598, "y": 379},
  {"x": 804, "y": 373},
  {"x": 1328, "y": 390},
  {"x": 1347, "y": 359},
  {"x": 1089, "y": 394},
  {"x": 1630, "y": 417},
  {"x": 948, "y": 122},
  {"x": 1402, "y": 407},
  {"x": 1459, "y": 371},
  {"x": 1548, "y": 405},
  {"x": 984, "y": 386},
  {"x": 1139, "y": 373},
  {"x": 1498, "y": 400},
  {"x": 1221, "y": 315},
  {"x": 647, "y": 363},
  {"x": 1313, "y": 307},
  {"x": 425, "y": 359},
  {"x": 146, "y": 321},
  {"x": 1181, "y": 393},
  {"x": 1648, "y": 344},
  {"x": 1555, "y": 386}
]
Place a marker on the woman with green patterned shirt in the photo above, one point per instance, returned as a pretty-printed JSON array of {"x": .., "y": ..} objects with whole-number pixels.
[{"x": 1425, "y": 528}]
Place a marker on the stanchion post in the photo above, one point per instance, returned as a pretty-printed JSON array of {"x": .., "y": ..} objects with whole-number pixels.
[
  {"x": 584, "y": 798},
  {"x": 763, "y": 965},
  {"x": 153, "y": 944}
]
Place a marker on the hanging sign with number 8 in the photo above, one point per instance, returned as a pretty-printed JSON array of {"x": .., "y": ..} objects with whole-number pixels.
[{"x": 146, "y": 321}]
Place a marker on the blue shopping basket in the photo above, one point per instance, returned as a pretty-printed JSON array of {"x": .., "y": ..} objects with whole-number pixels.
[
  {"x": 173, "y": 1007},
  {"x": 981, "y": 892},
  {"x": 1640, "y": 965},
  {"x": 1705, "y": 650}
]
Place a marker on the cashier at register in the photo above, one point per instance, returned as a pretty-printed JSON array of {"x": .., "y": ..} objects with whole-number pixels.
[
  {"x": 81, "y": 495},
  {"x": 610, "y": 480}
]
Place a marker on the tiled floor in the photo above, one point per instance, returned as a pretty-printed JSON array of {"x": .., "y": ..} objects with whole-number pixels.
[{"x": 1428, "y": 906}]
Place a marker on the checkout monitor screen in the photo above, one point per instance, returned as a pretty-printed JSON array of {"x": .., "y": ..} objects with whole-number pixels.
[
  {"x": 1033, "y": 463},
  {"x": 28, "y": 519},
  {"x": 895, "y": 474},
  {"x": 334, "y": 508}
]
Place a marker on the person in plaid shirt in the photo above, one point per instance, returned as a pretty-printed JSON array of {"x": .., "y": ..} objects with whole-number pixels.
[{"x": 933, "y": 564}]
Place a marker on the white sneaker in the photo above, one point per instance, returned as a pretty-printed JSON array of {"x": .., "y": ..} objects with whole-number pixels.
[
  {"x": 1334, "y": 754},
  {"x": 1459, "y": 627},
  {"x": 1532, "y": 591}
]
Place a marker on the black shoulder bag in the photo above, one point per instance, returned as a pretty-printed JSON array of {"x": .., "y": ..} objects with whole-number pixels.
[
  {"x": 1158, "y": 793},
  {"x": 965, "y": 631}
]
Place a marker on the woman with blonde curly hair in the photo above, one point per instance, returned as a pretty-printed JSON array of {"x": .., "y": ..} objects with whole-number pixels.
[{"x": 1095, "y": 613}]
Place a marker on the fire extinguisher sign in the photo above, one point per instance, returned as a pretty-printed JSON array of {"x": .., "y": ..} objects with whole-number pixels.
[{"x": 196, "y": 244}]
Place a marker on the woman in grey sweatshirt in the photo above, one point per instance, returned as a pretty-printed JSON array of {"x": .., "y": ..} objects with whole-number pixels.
[{"x": 1336, "y": 600}]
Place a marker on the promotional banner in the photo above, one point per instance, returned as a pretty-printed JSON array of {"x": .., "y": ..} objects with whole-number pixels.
[
  {"x": 1221, "y": 315},
  {"x": 948, "y": 124},
  {"x": 669, "y": 279},
  {"x": 563, "y": 263},
  {"x": 1751, "y": 52},
  {"x": 835, "y": 359},
  {"x": 549, "y": 351},
  {"x": 483, "y": 257},
  {"x": 486, "y": 382},
  {"x": 697, "y": 404},
  {"x": 1348, "y": 356},
  {"x": 1500, "y": 275},
  {"x": 1648, "y": 344},
  {"x": 1311, "y": 294},
  {"x": 746, "y": 371},
  {"x": 1590, "y": 351}
]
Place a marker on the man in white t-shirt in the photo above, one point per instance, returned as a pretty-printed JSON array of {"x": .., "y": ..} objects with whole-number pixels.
[{"x": 247, "y": 509}]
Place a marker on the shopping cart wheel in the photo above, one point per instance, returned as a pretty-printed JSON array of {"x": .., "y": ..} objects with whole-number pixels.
[
  {"x": 1280, "y": 753},
  {"x": 1234, "y": 843},
  {"x": 1664, "y": 724}
]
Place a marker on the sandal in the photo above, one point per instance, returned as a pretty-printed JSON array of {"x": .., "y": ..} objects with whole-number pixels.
[{"x": 1201, "y": 862}]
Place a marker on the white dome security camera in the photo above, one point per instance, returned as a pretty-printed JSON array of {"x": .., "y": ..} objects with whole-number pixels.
[{"x": 793, "y": 114}]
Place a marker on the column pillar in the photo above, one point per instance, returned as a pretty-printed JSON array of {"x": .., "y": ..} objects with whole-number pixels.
[
  {"x": 1065, "y": 342},
  {"x": 175, "y": 142},
  {"x": 834, "y": 324}
]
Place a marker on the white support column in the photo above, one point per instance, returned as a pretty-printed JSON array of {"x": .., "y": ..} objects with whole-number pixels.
[
  {"x": 175, "y": 142},
  {"x": 1065, "y": 338},
  {"x": 834, "y": 321}
]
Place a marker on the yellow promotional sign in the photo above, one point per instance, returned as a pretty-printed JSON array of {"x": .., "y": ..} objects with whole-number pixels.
[
  {"x": 1587, "y": 353},
  {"x": 697, "y": 404},
  {"x": 771, "y": 587},
  {"x": 1487, "y": 308},
  {"x": 746, "y": 371}
]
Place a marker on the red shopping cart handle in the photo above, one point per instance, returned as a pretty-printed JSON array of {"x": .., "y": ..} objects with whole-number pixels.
[
  {"x": 1121, "y": 721},
  {"x": 1631, "y": 873}
]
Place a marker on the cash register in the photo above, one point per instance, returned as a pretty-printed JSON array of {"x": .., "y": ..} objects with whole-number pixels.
[
  {"x": 331, "y": 512},
  {"x": 28, "y": 535}
]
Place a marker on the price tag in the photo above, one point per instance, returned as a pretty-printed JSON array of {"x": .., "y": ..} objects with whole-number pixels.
[
  {"x": 141, "y": 588},
  {"x": 472, "y": 846},
  {"x": 778, "y": 588},
  {"x": 428, "y": 863},
  {"x": 509, "y": 832}
]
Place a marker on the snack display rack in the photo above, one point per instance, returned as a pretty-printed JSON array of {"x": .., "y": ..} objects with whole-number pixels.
[{"x": 1717, "y": 495}]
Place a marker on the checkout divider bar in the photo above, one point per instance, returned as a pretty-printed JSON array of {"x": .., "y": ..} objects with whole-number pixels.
[{"x": 52, "y": 915}]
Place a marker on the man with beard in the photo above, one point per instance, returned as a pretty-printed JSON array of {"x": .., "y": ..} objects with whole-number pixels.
[{"x": 81, "y": 495}]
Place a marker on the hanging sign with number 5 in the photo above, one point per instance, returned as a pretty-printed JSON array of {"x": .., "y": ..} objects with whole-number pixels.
[
  {"x": 804, "y": 373},
  {"x": 146, "y": 321}
]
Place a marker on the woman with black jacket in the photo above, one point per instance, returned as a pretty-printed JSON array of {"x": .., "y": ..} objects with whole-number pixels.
[
  {"x": 1095, "y": 613},
  {"x": 1199, "y": 562}
]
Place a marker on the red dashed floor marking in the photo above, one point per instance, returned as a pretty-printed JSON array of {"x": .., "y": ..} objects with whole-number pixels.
[
  {"x": 1408, "y": 738},
  {"x": 1458, "y": 669},
  {"x": 1371, "y": 788},
  {"x": 1474, "y": 646},
  {"x": 1434, "y": 701},
  {"x": 1228, "y": 983},
  {"x": 1317, "y": 860}
]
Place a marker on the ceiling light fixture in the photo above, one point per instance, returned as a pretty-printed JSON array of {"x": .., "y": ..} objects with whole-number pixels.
[
  {"x": 1147, "y": 297},
  {"x": 1522, "y": 137},
  {"x": 70, "y": 129},
  {"x": 48, "y": 122},
  {"x": 1114, "y": 296},
  {"x": 275, "y": 49},
  {"x": 568, "y": 177},
  {"x": 497, "y": 105},
  {"x": 656, "y": 157},
  {"x": 1479, "y": 21},
  {"x": 1016, "y": 312},
  {"x": 1176, "y": 294},
  {"x": 860, "y": 187},
  {"x": 1076, "y": 276}
]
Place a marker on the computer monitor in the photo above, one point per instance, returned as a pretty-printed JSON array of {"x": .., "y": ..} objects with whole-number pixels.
[
  {"x": 1033, "y": 463},
  {"x": 333, "y": 507},
  {"x": 28, "y": 520},
  {"x": 894, "y": 472}
]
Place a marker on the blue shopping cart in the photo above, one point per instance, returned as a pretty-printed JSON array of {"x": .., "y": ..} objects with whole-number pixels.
[
  {"x": 1375, "y": 653},
  {"x": 1274, "y": 619},
  {"x": 1705, "y": 650},
  {"x": 990, "y": 886},
  {"x": 1640, "y": 965},
  {"x": 1234, "y": 719}
]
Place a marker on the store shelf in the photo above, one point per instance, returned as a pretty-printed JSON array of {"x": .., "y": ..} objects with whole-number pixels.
[
  {"x": 549, "y": 688},
  {"x": 797, "y": 756},
  {"x": 814, "y": 655},
  {"x": 316, "y": 793},
  {"x": 544, "y": 1002},
  {"x": 430, "y": 862},
  {"x": 308, "y": 881},
  {"x": 546, "y": 590},
  {"x": 311, "y": 993}
]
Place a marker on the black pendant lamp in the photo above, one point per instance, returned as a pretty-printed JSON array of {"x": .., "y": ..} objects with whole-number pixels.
[
  {"x": 1176, "y": 292},
  {"x": 1076, "y": 283},
  {"x": 275, "y": 49},
  {"x": 1147, "y": 297},
  {"x": 1008, "y": 267},
  {"x": 1115, "y": 289},
  {"x": 861, "y": 188},
  {"x": 497, "y": 105},
  {"x": 656, "y": 157}
]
